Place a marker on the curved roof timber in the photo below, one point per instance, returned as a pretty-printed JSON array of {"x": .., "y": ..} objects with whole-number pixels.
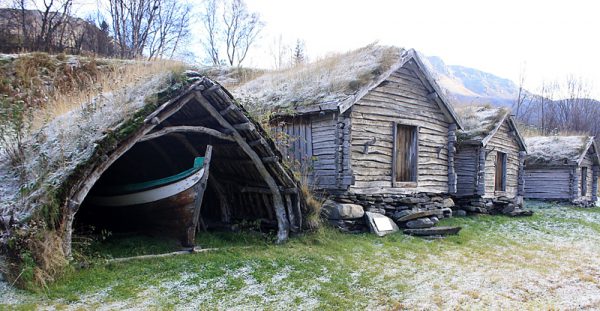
[{"x": 234, "y": 127}]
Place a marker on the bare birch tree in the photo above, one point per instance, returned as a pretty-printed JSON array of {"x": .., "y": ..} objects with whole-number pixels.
[
  {"x": 241, "y": 30},
  {"x": 169, "y": 29},
  {"x": 132, "y": 22},
  {"x": 210, "y": 23},
  {"x": 234, "y": 33}
]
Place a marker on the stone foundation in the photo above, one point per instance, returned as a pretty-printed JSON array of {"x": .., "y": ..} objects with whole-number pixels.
[
  {"x": 396, "y": 207},
  {"x": 494, "y": 206}
]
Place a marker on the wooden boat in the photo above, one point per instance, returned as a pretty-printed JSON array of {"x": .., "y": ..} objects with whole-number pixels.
[{"x": 169, "y": 205}]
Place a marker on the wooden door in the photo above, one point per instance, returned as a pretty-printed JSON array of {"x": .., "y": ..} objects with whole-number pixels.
[
  {"x": 405, "y": 154},
  {"x": 500, "y": 184}
]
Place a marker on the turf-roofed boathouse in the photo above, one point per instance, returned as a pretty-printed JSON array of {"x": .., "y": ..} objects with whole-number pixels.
[
  {"x": 243, "y": 177},
  {"x": 562, "y": 168},
  {"x": 489, "y": 161},
  {"x": 195, "y": 162},
  {"x": 369, "y": 127}
]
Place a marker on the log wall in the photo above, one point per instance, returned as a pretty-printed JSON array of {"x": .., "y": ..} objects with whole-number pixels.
[
  {"x": 548, "y": 183},
  {"x": 402, "y": 98}
]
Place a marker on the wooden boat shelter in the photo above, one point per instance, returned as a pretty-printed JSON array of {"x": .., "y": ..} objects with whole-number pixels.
[
  {"x": 246, "y": 178},
  {"x": 562, "y": 168}
]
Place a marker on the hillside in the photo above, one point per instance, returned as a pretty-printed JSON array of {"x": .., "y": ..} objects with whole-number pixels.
[{"x": 472, "y": 86}]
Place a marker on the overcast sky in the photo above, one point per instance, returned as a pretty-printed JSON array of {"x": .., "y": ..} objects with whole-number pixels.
[{"x": 550, "y": 39}]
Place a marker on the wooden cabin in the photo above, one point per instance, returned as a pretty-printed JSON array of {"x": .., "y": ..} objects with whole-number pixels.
[
  {"x": 369, "y": 126},
  {"x": 489, "y": 159},
  {"x": 562, "y": 168}
]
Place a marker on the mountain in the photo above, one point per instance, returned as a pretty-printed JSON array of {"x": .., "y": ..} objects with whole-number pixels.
[{"x": 468, "y": 86}]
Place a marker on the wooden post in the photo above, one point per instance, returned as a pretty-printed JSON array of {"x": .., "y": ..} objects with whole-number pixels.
[
  {"x": 199, "y": 189},
  {"x": 451, "y": 152},
  {"x": 394, "y": 151},
  {"x": 521, "y": 172},
  {"x": 223, "y": 202},
  {"x": 595, "y": 173},
  {"x": 574, "y": 184},
  {"x": 283, "y": 224},
  {"x": 291, "y": 215},
  {"x": 481, "y": 172}
]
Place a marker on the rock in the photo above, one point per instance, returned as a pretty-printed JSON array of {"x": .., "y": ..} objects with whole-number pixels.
[
  {"x": 380, "y": 224},
  {"x": 418, "y": 214},
  {"x": 520, "y": 212},
  {"x": 508, "y": 209},
  {"x": 475, "y": 209},
  {"x": 420, "y": 223},
  {"x": 399, "y": 214},
  {"x": 445, "y": 212},
  {"x": 335, "y": 210},
  {"x": 437, "y": 199},
  {"x": 377, "y": 210},
  {"x": 350, "y": 226},
  {"x": 437, "y": 231},
  {"x": 460, "y": 213},
  {"x": 413, "y": 200},
  {"x": 448, "y": 203},
  {"x": 434, "y": 220}
]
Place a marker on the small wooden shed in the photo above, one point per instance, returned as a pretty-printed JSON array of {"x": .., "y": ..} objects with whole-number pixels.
[
  {"x": 564, "y": 168},
  {"x": 370, "y": 126},
  {"x": 489, "y": 159}
]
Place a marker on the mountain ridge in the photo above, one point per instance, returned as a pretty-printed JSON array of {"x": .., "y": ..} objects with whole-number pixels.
[{"x": 467, "y": 85}]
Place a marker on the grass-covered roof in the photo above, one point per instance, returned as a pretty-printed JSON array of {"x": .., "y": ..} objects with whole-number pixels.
[
  {"x": 479, "y": 121},
  {"x": 557, "y": 150},
  {"x": 330, "y": 80}
]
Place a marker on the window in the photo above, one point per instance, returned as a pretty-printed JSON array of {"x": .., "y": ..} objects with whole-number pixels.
[
  {"x": 500, "y": 171},
  {"x": 584, "y": 171},
  {"x": 404, "y": 158}
]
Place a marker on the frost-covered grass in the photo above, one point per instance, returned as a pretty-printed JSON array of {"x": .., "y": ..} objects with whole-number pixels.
[{"x": 548, "y": 261}]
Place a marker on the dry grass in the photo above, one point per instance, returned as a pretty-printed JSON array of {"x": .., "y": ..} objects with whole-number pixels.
[
  {"x": 119, "y": 75},
  {"x": 331, "y": 79},
  {"x": 532, "y": 131}
]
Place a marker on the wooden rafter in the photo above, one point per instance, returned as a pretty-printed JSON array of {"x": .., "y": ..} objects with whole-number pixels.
[
  {"x": 278, "y": 204},
  {"x": 187, "y": 129}
]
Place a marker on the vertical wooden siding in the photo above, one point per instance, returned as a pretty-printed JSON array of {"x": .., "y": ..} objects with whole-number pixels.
[
  {"x": 401, "y": 98},
  {"x": 466, "y": 165},
  {"x": 324, "y": 128}
]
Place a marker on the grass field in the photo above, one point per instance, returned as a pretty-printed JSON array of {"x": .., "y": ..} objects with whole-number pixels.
[{"x": 548, "y": 261}]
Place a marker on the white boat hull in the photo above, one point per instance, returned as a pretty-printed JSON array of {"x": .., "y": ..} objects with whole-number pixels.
[{"x": 151, "y": 195}]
